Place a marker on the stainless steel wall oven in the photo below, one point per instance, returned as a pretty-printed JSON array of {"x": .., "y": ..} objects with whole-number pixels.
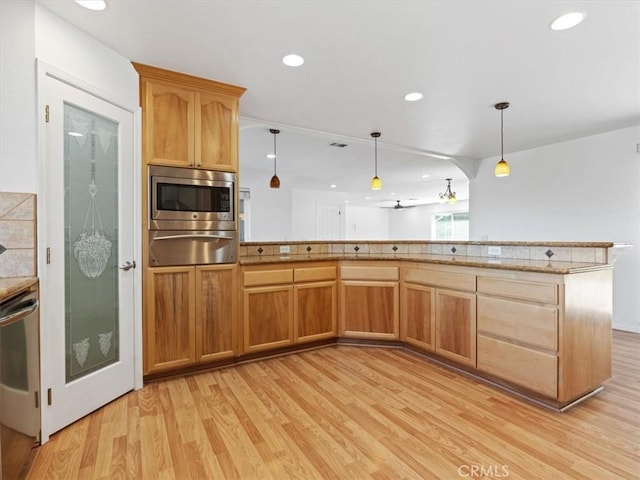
[{"x": 192, "y": 216}]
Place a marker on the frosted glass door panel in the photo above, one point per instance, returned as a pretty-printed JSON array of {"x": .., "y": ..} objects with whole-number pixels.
[{"x": 91, "y": 241}]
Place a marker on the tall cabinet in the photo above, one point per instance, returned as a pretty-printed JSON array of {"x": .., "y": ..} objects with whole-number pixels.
[{"x": 189, "y": 311}]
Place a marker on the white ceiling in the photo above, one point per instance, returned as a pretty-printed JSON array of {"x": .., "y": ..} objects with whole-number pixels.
[{"x": 362, "y": 57}]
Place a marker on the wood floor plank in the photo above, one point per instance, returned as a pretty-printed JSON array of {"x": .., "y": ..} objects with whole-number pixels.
[{"x": 355, "y": 413}]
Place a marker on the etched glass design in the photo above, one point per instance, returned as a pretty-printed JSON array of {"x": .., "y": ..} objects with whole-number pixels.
[{"x": 91, "y": 247}]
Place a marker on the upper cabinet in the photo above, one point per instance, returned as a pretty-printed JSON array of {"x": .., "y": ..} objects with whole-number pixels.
[{"x": 188, "y": 121}]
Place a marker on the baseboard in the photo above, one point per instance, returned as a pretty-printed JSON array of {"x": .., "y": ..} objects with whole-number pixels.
[{"x": 626, "y": 328}]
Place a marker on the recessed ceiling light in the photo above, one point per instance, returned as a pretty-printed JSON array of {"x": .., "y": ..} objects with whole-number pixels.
[
  {"x": 568, "y": 20},
  {"x": 426, "y": 175},
  {"x": 393, "y": 193},
  {"x": 270, "y": 155},
  {"x": 333, "y": 185},
  {"x": 346, "y": 201},
  {"x": 292, "y": 60},
  {"x": 92, "y": 4},
  {"x": 413, "y": 96},
  {"x": 367, "y": 198}
]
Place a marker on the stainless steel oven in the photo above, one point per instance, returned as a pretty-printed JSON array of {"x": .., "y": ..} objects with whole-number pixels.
[
  {"x": 189, "y": 247},
  {"x": 192, "y": 217},
  {"x": 19, "y": 382},
  {"x": 191, "y": 199}
]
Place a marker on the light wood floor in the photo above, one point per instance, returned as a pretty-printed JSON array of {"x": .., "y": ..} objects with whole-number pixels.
[{"x": 351, "y": 413}]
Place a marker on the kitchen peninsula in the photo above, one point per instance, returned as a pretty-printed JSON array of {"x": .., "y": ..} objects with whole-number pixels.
[{"x": 523, "y": 321}]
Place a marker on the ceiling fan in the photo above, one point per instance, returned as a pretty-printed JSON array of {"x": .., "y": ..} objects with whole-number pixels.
[{"x": 398, "y": 206}]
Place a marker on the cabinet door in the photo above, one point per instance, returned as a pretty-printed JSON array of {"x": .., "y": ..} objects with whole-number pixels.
[
  {"x": 168, "y": 137},
  {"x": 170, "y": 318},
  {"x": 456, "y": 326},
  {"x": 417, "y": 319},
  {"x": 369, "y": 310},
  {"x": 315, "y": 311},
  {"x": 215, "y": 312},
  {"x": 268, "y": 317},
  {"x": 216, "y": 126}
]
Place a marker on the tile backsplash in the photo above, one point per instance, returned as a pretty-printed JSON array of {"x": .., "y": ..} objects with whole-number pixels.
[
  {"x": 18, "y": 234},
  {"x": 581, "y": 252}
]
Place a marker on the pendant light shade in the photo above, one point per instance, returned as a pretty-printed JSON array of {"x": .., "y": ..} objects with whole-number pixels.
[
  {"x": 502, "y": 167},
  {"x": 376, "y": 183},
  {"x": 448, "y": 195},
  {"x": 275, "y": 181}
]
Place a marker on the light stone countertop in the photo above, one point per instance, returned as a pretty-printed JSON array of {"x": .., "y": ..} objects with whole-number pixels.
[
  {"x": 542, "y": 266},
  {"x": 11, "y": 285}
]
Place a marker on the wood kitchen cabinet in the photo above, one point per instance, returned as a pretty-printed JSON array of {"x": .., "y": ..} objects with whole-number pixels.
[
  {"x": 216, "y": 305},
  {"x": 288, "y": 305},
  {"x": 267, "y": 309},
  {"x": 549, "y": 334},
  {"x": 169, "y": 318},
  {"x": 190, "y": 316},
  {"x": 456, "y": 325},
  {"x": 439, "y": 311},
  {"x": 418, "y": 316},
  {"x": 369, "y": 299},
  {"x": 188, "y": 121},
  {"x": 316, "y": 303}
]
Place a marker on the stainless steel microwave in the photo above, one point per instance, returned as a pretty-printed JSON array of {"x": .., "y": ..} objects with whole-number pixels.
[{"x": 191, "y": 199}]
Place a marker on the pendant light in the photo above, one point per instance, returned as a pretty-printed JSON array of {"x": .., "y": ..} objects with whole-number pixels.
[
  {"x": 502, "y": 167},
  {"x": 275, "y": 181},
  {"x": 448, "y": 195},
  {"x": 376, "y": 183}
]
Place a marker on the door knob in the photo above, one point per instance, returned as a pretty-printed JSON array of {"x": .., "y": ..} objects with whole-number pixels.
[{"x": 128, "y": 266}]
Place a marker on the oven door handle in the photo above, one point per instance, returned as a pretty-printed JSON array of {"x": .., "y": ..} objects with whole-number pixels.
[
  {"x": 19, "y": 314},
  {"x": 191, "y": 235}
]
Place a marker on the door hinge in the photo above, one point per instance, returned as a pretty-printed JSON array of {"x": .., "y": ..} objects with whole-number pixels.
[
  {"x": 37, "y": 399},
  {"x": 49, "y": 397},
  {"x": 46, "y": 114},
  {"x": 48, "y": 255}
]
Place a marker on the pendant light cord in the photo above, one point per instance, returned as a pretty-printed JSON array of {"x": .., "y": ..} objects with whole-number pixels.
[
  {"x": 502, "y": 134},
  {"x": 275, "y": 155},
  {"x": 376, "y": 156}
]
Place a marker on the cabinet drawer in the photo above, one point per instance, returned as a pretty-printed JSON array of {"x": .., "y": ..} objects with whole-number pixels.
[
  {"x": 314, "y": 274},
  {"x": 268, "y": 277},
  {"x": 534, "y": 370},
  {"x": 535, "y": 325},
  {"x": 538, "y": 292},
  {"x": 369, "y": 273},
  {"x": 458, "y": 281}
]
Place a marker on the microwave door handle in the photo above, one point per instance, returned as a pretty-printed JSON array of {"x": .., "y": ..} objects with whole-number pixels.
[{"x": 191, "y": 235}]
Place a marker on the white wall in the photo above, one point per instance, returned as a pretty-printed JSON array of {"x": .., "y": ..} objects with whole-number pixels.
[
  {"x": 66, "y": 48},
  {"x": 18, "y": 145},
  {"x": 304, "y": 212},
  {"x": 580, "y": 190},
  {"x": 367, "y": 223},
  {"x": 270, "y": 208},
  {"x": 415, "y": 223}
]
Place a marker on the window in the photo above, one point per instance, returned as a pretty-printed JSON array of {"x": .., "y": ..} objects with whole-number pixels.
[{"x": 450, "y": 226}]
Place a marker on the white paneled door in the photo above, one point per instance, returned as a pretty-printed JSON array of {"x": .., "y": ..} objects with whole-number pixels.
[{"x": 88, "y": 281}]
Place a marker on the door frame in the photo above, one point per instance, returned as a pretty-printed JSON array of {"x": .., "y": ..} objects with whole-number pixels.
[{"x": 44, "y": 70}]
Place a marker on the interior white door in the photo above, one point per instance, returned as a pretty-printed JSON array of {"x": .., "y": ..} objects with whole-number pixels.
[
  {"x": 90, "y": 232},
  {"x": 329, "y": 221}
]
